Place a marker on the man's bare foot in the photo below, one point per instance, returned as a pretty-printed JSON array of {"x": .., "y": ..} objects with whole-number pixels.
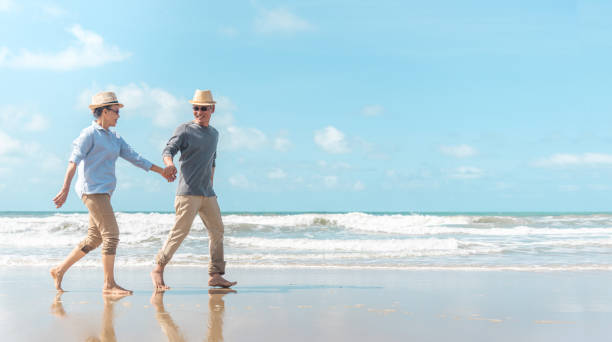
[
  {"x": 217, "y": 280},
  {"x": 112, "y": 298},
  {"x": 116, "y": 290},
  {"x": 157, "y": 277},
  {"x": 57, "y": 278},
  {"x": 157, "y": 300},
  {"x": 222, "y": 291}
]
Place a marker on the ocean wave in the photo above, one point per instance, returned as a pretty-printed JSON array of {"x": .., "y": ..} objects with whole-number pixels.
[
  {"x": 388, "y": 246},
  {"x": 9, "y": 261},
  {"x": 405, "y": 224}
]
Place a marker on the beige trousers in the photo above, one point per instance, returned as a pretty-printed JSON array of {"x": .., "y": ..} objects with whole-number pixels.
[
  {"x": 103, "y": 228},
  {"x": 187, "y": 207}
]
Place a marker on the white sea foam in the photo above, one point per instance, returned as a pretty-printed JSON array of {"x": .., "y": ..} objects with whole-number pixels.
[
  {"x": 241, "y": 262},
  {"x": 330, "y": 240},
  {"x": 387, "y": 247}
]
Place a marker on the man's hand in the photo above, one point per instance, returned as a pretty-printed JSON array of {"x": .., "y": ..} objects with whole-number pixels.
[{"x": 169, "y": 173}]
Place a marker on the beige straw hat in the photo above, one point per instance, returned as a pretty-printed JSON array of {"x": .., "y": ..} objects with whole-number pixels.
[
  {"x": 202, "y": 97},
  {"x": 104, "y": 98}
]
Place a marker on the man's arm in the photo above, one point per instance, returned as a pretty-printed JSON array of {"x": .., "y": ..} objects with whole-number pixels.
[
  {"x": 170, "y": 170},
  {"x": 175, "y": 144}
]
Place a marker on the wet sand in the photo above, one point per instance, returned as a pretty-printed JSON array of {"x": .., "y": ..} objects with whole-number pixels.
[{"x": 309, "y": 305}]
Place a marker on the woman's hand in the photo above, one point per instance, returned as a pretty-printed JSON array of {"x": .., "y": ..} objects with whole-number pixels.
[{"x": 60, "y": 199}]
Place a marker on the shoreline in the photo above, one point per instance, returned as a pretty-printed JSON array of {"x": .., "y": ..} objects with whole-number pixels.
[
  {"x": 96, "y": 264},
  {"x": 303, "y": 305}
]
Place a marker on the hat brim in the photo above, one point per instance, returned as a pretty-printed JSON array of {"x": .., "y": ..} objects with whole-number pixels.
[
  {"x": 92, "y": 107},
  {"x": 202, "y": 103}
]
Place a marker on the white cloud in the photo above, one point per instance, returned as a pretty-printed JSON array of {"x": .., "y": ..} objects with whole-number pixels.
[
  {"x": 167, "y": 110},
  {"x": 37, "y": 123},
  {"x": 6, "y": 5},
  {"x": 331, "y": 140},
  {"x": 89, "y": 50},
  {"x": 243, "y": 138},
  {"x": 373, "y": 110},
  {"x": 234, "y": 137},
  {"x": 240, "y": 181},
  {"x": 280, "y": 21},
  {"x": 586, "y": 159},
  {"x": 277, "y": 174},
  {"x": 16, "y": 152},
  {"x": 358, "y": 186},
  {"x": 163, "y": 108},
  {"x": 8, "y": 144},
  {"x": 224, "y": 104},
  {"x": 282, "y": 144},
  {"x": 369, "y": 149},
  {"x": 458, "y": 151},
  {"x": 330, "y": 181},
  {"x": 467, "y": 172},
  {"x": 52, "y": 162},
  {"x": 19, "y": 118},
  {"x": 54, "y": 10}
]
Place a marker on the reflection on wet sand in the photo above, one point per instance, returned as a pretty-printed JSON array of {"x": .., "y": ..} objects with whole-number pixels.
[
  {"x": 165, "y": 320},
  {"x": 57, "y": 308},
  {"x": 216, "y": 307},
  {"x": 108, "y": 316}
]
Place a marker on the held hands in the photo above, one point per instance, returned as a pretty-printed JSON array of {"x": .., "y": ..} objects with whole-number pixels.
[
  {"x": 60, "y": 199},
  {"x": 169, "y": 173}
]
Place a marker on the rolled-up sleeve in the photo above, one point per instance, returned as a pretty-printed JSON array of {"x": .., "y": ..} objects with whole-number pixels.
[
  {"x": 81, "y": 146},
  {"x": 175, "y": 143},
  {"x": 133, "y": 157}
]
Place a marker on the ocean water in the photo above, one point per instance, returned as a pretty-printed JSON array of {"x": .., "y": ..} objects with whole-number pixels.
[{"x": 449, "y": 241}]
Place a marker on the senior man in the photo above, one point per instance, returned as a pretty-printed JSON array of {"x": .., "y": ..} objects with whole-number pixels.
[{"x": 197, "y": 142}]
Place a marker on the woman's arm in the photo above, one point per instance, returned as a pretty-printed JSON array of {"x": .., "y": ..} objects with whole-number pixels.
[{"x": 60, "y": 199}]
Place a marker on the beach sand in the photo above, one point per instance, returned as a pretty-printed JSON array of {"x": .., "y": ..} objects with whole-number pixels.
[{"x": 309, "y": 305}]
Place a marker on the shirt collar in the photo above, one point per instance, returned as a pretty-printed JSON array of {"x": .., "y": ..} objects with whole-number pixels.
[{"x": 98, "y": 127}]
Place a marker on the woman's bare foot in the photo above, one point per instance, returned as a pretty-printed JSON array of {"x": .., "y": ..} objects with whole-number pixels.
[
  {"x": 217, "y": 280},
  {"x": 114, "y": 289},
  {"x": 57, "y": 309},
  {"x": 157, "y": 276},
  {"x": 57, "y": 278}
]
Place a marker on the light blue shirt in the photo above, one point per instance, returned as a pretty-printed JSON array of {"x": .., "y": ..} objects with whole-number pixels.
[{"x": 95, "y": 152}]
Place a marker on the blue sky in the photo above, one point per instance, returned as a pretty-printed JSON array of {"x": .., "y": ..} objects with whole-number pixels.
[{"x": 322, "y": 105}]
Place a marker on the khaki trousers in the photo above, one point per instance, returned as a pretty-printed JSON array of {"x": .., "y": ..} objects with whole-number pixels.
[
  {"x": 103, "y": 228},
  {"x": 187, "y": 207}
]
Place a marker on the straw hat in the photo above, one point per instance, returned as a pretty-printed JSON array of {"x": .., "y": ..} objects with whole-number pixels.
[
  {"x": 202, "y": 97},
  {"x": 104, "y": 98}
]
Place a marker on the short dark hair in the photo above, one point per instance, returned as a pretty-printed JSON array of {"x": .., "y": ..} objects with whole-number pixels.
[{"x": 98, "y": 111}]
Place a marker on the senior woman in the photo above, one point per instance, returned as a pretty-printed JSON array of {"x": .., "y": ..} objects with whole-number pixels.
[{"x": 94, "y": 153}]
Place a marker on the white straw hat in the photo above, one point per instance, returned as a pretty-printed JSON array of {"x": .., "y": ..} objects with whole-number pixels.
[
  {"x": 202, "y": 97},
  {"x": 104, "y": 98}
]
